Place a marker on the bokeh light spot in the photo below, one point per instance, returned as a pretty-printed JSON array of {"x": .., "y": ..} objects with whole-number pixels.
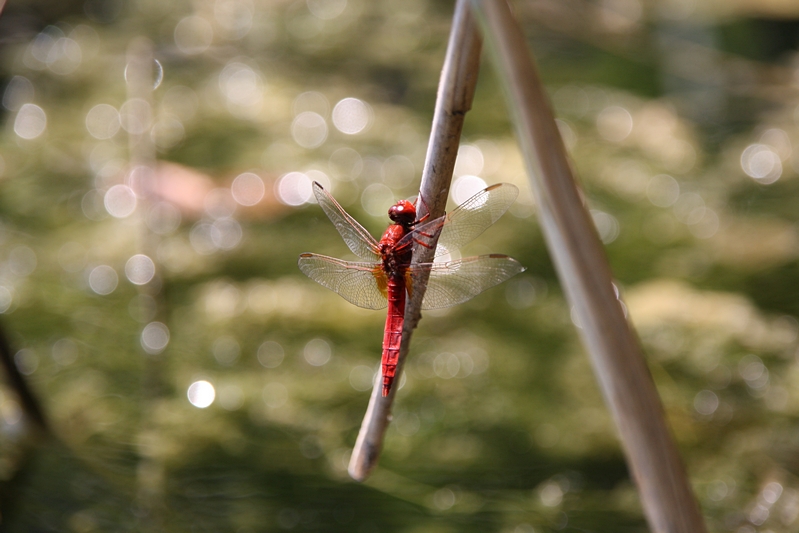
[
  {"x": 772, "y": 492},
  {"x": 465, "y": 187},
  {"x": 761, "y": 163},
  {"x": 606, "y": 225},
  {"x": 163, "y": 218},
  {"x": 294, "y": 189},
  {"x": 407, "y": 424},
  {"x": 362, "y": 377},
  {"x": 135, "y": 116},
  {"x": 22, "y": 261},
  {"x": 376, "y": 199},
  {"x": 154, "y": 337},
  {"x": 120, "y": 201},
  {"x": 317, "y": 352},
  {"x": 444, "y": 498},
  {"x": 201, "y": 239},
  {"x": 226, "y": 233},
  {"x": 41, "y": 46},
  {"x": 663, "y": 190},
  {"x": 706, "y": 402},
  {"x": 31, "y": 121},
  {"x": 139, "y": 269},
  {"x": 520, "y": 293},
  {"x": 689, "y": 208},
  {"x": 614, "y": 123},
  {"x": 326, "y": 9},
  {"x": 102, "y": 121},
  {"x": 779, "y": 141},
  {"x": 551, "y": 494},
  {"x": 270, "y": 354},
  {"x": 705, "y": 226},
  {"x": 201, "y": 394},
  {"x": 226, "y": 350},
  {"x": 64, "y": 56},
  {"x": 309, "y": 129},
  {"x": 167, "y": 131},
  {"x": 19, "y": 91},
  {"x": 234, "y": 17},
  {"x": 446, "y": 365},
  {"x": 65, "y": 351},
  {"x": 469, "y": 161},
  {"x": 241, "y": 85},
  {"x": 193, "y": 35},
  {"x": 157, "y": 73},
  {"x": 103, "y": 279},
  {"x": 311, "y": 101},
  {"x": 26, "y": 361},
  {"x": 398, "y": 171},
  {"x": 248, "y": 189},
  {"x": 754, "y": 372},
  {"x": 351, "y": 116},
  {"x": 346, "y": 164}
]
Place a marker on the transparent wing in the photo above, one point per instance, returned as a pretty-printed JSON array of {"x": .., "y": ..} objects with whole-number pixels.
[
  {"x": 358, "y": 240},
  {"x": 455, "y": 282},
  {"x": 424, "y": 234},
  {"x": 475, "y": 215},
  {"x": 362, "y": 284}
]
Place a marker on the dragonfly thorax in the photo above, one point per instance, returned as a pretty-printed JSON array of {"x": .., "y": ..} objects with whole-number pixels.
[
  {"x": 402, "y": 213},
  {"x": 395, "y": 259}
]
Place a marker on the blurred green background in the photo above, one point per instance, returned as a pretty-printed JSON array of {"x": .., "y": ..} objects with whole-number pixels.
[{"x": 194, "y": 380}]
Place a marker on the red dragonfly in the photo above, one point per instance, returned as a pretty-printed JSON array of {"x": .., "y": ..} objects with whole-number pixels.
[{"x": 387, "y": 273}]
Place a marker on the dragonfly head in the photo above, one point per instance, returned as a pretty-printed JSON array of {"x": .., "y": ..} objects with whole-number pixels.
[{"x": 402, "y": 213}]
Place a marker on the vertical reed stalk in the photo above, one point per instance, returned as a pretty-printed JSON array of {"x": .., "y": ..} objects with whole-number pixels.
[
  {"x": 454, "y": 99},
  {"x": 585, "y": 274},
  {"x": 142, "y": 177}
]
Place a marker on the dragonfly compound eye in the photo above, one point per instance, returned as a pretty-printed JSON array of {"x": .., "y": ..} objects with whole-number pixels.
[{"x": 403, "y": 212}]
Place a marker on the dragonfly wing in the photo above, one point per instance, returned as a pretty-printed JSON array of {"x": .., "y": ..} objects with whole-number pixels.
[
  {"x": 358, "y": 240},
  {"x": 455, "y": 282},
  {"x": 424, "y": 234},
  {"x": 475, "y": 215},
  {"x": 362, "y": 284}
]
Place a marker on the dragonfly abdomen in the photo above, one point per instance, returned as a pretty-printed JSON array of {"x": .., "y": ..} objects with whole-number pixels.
[{"x": 392, "y": 336}]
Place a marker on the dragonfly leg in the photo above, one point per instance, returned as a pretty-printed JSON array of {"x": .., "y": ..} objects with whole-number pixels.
[
  {"x": 426, "y": 208},
  {"x": 425, "y": 244}
]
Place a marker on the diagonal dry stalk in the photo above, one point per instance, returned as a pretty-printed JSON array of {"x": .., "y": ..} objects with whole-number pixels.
[
  {"x": 584, "y": 272},
  {"x": 26, "y": 396},
  {"x": 454, "y": 99}
]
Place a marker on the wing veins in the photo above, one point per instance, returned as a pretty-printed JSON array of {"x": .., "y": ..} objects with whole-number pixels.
[
  {"x": 356, "y": 237},
  {"x": 357, "y": 282},
  {"x": 455, "y": 282}
]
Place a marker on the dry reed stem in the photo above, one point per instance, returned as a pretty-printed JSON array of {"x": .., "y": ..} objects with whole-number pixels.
[
  {"x": 584, "y": 272},
  {"x": 454, "y": 99}
]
